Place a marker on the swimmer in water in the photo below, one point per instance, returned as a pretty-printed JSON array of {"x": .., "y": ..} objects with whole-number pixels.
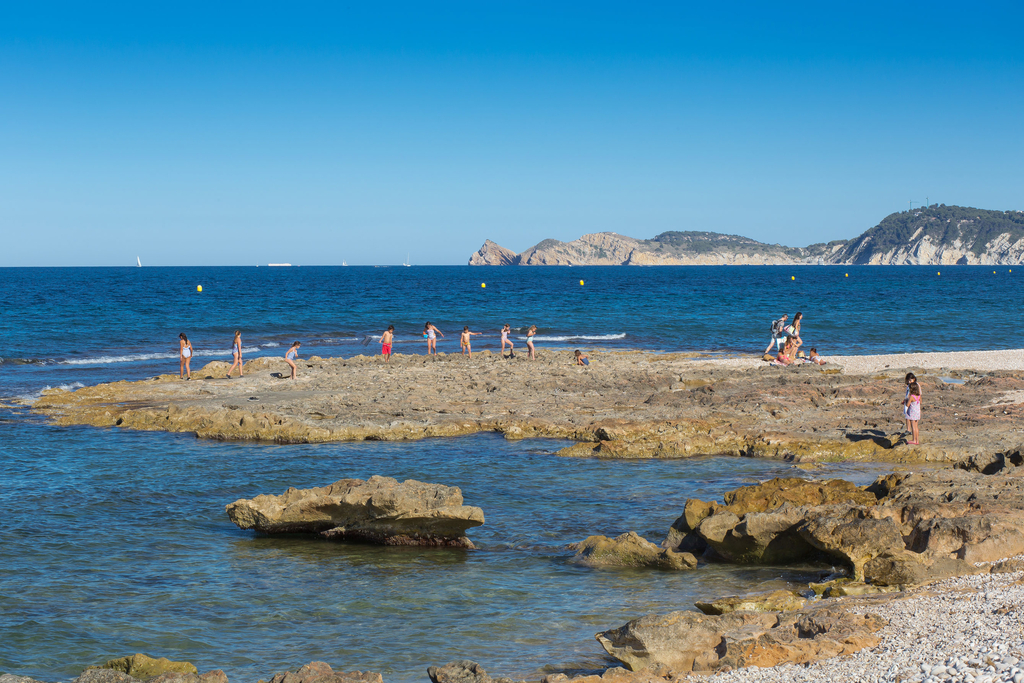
[
  {"x": 291, "y": 356},
  {"x": 184, "y": 357}
]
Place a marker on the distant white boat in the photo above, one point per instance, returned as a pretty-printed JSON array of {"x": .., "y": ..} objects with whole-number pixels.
[
  {"x": 278, "y": 264},
  {"x": 343, "y": 263},
  {"x": 139, "y": 261},
  {"x": 407, "y": 264}
]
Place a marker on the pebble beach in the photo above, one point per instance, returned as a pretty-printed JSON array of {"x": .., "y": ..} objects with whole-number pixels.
[{"x": 968, "y": 629}]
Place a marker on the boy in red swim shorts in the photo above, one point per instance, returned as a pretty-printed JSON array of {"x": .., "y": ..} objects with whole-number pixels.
[{"x": 386, "y": 340}]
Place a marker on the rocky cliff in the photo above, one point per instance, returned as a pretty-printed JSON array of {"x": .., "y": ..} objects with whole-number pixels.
[
  {"x": 667, "y": 249},
  {"x": 934, "y": 235}
]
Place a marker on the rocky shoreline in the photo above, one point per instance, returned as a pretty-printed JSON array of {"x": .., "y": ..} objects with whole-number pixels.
[
  {"x": 931, "y": 568},
  {"x": 624, "y": 405}
]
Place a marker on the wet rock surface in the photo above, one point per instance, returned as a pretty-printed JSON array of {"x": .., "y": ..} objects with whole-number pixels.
[
  {"x": 629, "y": 550},
  {"x": 379, "y": 510},
  {"x": 625, "y": 405}
]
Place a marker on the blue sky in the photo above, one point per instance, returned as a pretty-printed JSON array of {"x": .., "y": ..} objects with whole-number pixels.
[{"x": 219, "y": 133}]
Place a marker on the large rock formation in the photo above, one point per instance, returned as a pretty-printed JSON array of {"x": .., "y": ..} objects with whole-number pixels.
[
  {"x": 935, "y": 235},
  {"x": 905, "y": 529},
  {"x": 492, "y": 254},
  {"x": 692, "y": 641},
  {"x": 379, "y": 510}
]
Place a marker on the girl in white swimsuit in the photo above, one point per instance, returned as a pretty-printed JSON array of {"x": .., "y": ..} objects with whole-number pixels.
[
  {"x": 236, "y": 353},
  {"x": 184, "y": 357},
  {"x": 505, "y": 340},
  {"x": 431, "y": 332},
  {"x": 291, "y": 355},
  {"x": 530, "y": 334}
]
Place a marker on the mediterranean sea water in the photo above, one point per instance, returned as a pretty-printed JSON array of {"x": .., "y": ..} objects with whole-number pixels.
[{"x": 116, "y": 542}]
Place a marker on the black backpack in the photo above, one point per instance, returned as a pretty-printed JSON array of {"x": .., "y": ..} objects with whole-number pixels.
[{"x": 776, "y": 328}]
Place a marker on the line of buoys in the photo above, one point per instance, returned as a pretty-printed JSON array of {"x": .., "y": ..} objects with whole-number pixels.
[{"x": 199, "y": 288}]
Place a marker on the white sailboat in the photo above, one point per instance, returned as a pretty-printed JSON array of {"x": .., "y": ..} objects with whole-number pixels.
[
  {"x": 344, "y": 263},
  {"x": 139, "y": 261},
  {"x": 407, "y": 264}
]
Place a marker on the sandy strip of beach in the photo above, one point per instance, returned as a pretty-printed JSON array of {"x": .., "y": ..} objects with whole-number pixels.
[{"x": 983, "y": 361}]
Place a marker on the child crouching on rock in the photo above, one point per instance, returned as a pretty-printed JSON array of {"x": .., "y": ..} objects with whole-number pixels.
[{"x": 580, "y": 358}]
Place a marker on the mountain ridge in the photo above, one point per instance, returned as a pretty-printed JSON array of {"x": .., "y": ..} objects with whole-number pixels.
[{"x": 933, "y": 235}]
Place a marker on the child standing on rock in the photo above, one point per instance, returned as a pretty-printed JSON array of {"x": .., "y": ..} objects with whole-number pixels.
[
  {"x": 291, "y": 356},
  {"x": 386, "y": 340},
  {"x": 913, "y": 412},
  {"x": 464, "y": 341}
]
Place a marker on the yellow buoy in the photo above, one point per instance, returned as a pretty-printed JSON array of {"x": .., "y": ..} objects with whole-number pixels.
[
  {"x": 847, "y": 275},
  {"x": 199, "y": 288},
  {"x": 792, "y": 277},
  {"x": 993, "y": 272},
  {"x": 939, "y": 273},
  {"x": 581, "y": 283},
  {"x": 483, "y": 284}
]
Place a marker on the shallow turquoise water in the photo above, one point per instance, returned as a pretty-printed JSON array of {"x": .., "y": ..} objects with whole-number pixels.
[{"x": 117, "y": 542}]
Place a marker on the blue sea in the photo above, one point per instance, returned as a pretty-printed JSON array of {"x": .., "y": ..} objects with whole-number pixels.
[{"x": 116, "y": 542}]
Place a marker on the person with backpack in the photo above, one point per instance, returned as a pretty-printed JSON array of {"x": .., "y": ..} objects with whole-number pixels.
[{"x": 779, "y": 333}]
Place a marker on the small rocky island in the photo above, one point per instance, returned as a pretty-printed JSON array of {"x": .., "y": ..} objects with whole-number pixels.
[{"x": 933, "y": 235}]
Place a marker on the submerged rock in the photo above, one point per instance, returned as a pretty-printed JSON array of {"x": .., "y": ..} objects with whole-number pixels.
[
  {"x": 379, "y": 510},
  {"x": 629, "y": 550},
  {"x": 145, "y": 667},
  {"x": 462, "y": 671},
  {"x": 692, "y": 641},
  {"x": 321, "y": 672}
]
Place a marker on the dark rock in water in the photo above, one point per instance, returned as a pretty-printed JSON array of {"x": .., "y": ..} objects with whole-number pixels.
[
  {"x": 629, "y": 550},
  {"x": 379, "y": 510},
  {"x": 321, "y": 672},
  {"x": 145, "y": 667},
  {"x": 462, "y": 671},
  {"x": 692, "y": 641}
]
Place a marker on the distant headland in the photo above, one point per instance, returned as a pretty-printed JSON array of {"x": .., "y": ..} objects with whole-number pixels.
[{"x": 932, "y": 235}]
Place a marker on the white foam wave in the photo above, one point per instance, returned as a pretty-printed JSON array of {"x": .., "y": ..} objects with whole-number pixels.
[
  {"x": 137, "y": 357},
  {"x": 577, "y": 337},
  {"x": 33, "y": 397}
]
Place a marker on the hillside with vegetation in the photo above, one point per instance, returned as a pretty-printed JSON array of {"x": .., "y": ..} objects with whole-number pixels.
[{"x": 940, "y": 235}]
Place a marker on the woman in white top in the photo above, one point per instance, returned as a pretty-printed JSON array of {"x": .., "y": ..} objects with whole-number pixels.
[{"x": 184, "y": 357}]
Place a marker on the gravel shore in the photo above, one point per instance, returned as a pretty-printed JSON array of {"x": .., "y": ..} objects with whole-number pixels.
[{"x": 967, "y": 629}]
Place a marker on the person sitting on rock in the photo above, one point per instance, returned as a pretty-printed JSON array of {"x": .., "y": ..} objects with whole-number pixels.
[
  {"x": 580, "y": 358},
  {"x": 785, "y": 356},
  {"x": 815, "y": 358}
]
